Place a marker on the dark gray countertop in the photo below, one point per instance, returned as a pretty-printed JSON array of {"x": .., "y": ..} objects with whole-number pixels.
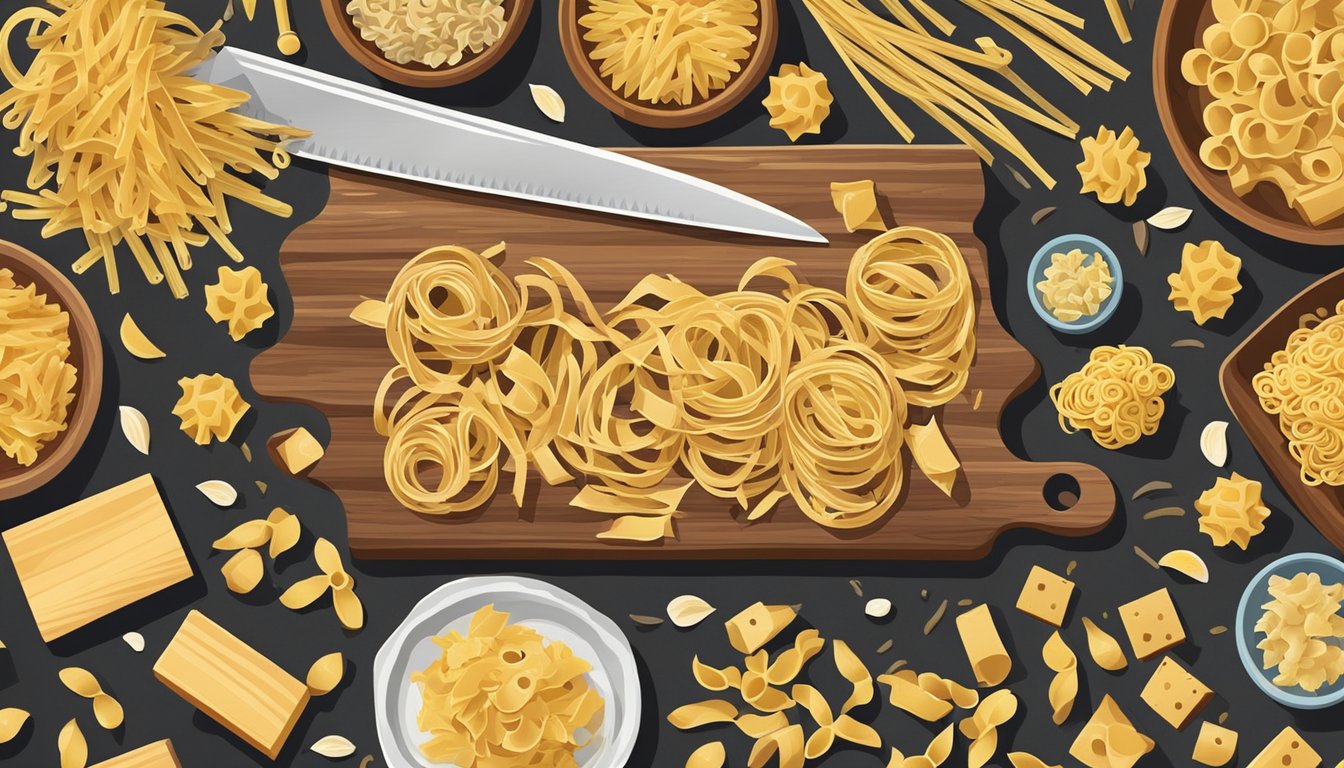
[{"x": 1108, "y": 571}]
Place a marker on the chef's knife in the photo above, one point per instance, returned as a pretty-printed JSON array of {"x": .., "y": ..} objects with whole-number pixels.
[{"x": 368, "y": 129}]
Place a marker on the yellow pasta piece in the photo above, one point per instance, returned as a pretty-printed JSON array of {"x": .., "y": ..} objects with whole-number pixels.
[
  {"x": 12, "y": 721},
  {"x": 106, "y": 710},
  {"x": 210, "y": 407},
  {"x": 759, "y": 726},
  {"x": 829, "y": 727},
  {"x": 136, "y": 342},
  {"x": 640, "y": 528},
  {"x": 799, "y": 100},
  {"x": 786, "y": 743},
  {"x": 298, "y": 451},
  {"x": 1118, "y": 21},
  {"x": 1073, "y": 289},
  {"x": 1206, "y": 282},
  {"x": 907, "y": 694},
  {"x": 984, "y": 647},
  {"x": 1232, "y": 511},
  {"x": 757, "y": 625},
  {"x": 1113, "y": 167},
  {"x": 1215, "y": 746},
  {"x": 1116, "y": 395},
  {"x": 1109, "y": 739},
  {"x": 239, "y": 301},
  {"x": 1301, "y": 627},
  {"x": 702, "y": 713},
  {"x": 790, "y": 662},
  {"x": 334, "y": 579},
  {"x": 711, "y": 755},
  {"x": 856, "y": 202},
  {"x": 71, "y": 744},
  {"x": 325, "y": 674},
  {"x": 933, "y": 455},
  {"x": 37, "y": 379},
  {"x": 713, "y": 679},
  {"x": 1028, "y": 760},
  {"x": 1064, "y": 687},
  {"x": 1104, "y": 648},
  {"x": 935, "y": 754},
  {"x": 982, "y": 726}
]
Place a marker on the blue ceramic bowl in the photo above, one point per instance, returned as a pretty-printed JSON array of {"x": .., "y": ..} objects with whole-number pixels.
[
  {"x": 1249, "y": 612},
  {"x": 1064, "y": 244}
]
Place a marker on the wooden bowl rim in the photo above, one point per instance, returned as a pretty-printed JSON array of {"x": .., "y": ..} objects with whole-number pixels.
[
  {"x": 415, "y": 74},
  {"x": 759, "y": 58},
  {"x": 86, "y": 353},
  {"x": 1168, "y": 86}
]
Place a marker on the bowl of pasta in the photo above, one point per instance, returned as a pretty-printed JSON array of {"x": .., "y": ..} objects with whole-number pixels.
[
  {"x": 1290, "y": 634},
  {"x": 547, "y": 678},
  {"x": 429, "y": 44},
  {"x": 1251, "y": 98},
  {"x": 668, "y": 64},
  {"x": 52, "y": 369},
  {"x": 1075, "y": 282}
]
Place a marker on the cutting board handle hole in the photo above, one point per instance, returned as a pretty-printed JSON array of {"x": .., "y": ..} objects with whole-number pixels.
[{"x": 1061, "y": 491}]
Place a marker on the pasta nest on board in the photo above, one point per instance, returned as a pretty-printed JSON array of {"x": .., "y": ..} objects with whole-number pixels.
[
  {"x": 210, "y": 406},
  {"x": 239, "y": 301},
  {"x": 1207, "y": 282},
  {"x": 1116, "y": 395},
  {"x": 799, "y": 100},
  {"x": 1113, "y": 167},
  {"x": 1232, "y": 511}
]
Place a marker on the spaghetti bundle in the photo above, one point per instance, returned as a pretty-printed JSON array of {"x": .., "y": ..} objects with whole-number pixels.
[
  {"x": 1116, "y": 395},
  {"x": 1303, "y": 384},
  {"x": 752, "y": 394},
  {"x": 124, "y": 144}
]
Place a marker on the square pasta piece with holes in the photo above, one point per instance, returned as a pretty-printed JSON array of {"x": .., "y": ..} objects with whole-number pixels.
[
  {"x": 1045, "y": 596},
  {"x": 1175, "y": 694},
  {"x": 1152, "y": 624},
  {"x": 1287, "y": 750}
]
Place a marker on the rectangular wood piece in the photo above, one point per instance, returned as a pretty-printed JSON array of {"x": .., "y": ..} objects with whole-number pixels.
[
  {"x": 372, "y": 226},
  {"x": 231, "y": 682},
  {"x": 160, "y": 754},
  {"x": 96, "y": 556}
]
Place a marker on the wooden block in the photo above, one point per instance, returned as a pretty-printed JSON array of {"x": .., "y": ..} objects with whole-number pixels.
[
  {"x": 96, "y": 556},
  {"x": 232, "y": 683},
  {"x": 160, "y": 754}
]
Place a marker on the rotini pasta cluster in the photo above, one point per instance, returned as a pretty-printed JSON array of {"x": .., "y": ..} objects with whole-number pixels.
[
  {"x": 1273, "y": 72},
  {"x": 435, "y": 33},
  {"x": 752, "y": 395},
  {"x": 1116, "y": 395},
  {"x": 238, "y": 301},
  {"x": 1113, "y": 167},
  {"x": 210, "y": 407},
  {"x": 1303, "y": 384},
  {"x": 1207, "y": 282}
]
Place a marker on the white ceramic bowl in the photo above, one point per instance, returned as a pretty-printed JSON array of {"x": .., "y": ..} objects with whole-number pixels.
[{"x": 551, "y": 611}]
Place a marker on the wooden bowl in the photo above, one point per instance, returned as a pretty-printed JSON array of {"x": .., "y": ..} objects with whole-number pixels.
[
  {"x": 1181, "y": 106},
  {"x": 759, "y": 57},
  {"x": 416, "y": 74},
  {"x": 86, "y": 354}
]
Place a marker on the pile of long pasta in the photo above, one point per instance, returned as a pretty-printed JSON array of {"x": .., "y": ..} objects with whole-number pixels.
[
  {"x": 37, "y": 379},
  {"x": 956, "y": 86},
  {"x": 124, "y": 144},
  {"x": 751, "y": 394}
]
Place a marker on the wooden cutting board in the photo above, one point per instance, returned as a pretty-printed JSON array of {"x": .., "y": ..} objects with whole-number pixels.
[{"x": 371, "y": 226}]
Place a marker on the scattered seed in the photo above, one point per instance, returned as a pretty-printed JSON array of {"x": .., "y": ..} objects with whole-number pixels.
[
  {"x": 1187, "y": 343},
  {"x": 885, "y": 646},
  {"x": 1018, "y": 177},
  {"x": 1172, "y": 217},
  {"x": 923, "y": 594},
  {"x": 1147, "y": 558},
  {"x": 548, "y": 101},
  {"x": 136, "y": 428},
  {"x": 135, "y": 640},
  {"x": 1068, "y": 569},
  {"x": 1164, "y": 512},
  {"x": 895, "y": 665},
  {"x": 262, "y": 486},
  {"x": 1141, "y": 237},
  {"x": 1218, "y": 630},
  {"x": 334, "y": 747},
  {"x": 366, "y": 762},
  {"x": 1213, "y": 443},
  {"x": 857, "y": 586},
  {"x": 1223, "y": 718},
  {"x": 220, "y": 493},
  {"x": 1105, "y": 614},
  {"x": 688, "y": 610},
  {"x": 936, "y": 617},
  {"x": 645, "y": 621},
  {"x": 1152, "y": 486},
  {"x": 247, "y": 452},
  {"x": 1039, "y": 216},
  {"x": 979, "y": 395},
  {"x": 965, "y": 602}
]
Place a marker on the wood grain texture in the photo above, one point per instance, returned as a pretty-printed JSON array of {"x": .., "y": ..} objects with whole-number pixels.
[
  {"x": 160, "y": 754},
  {"x": 97, "y": 556},
  {"x": 231, "y": 682},
  {"x": 371, "y": 226},
  {"x": 1322, "y": 504}
]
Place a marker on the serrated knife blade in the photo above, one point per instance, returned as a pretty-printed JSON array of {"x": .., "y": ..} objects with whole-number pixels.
[{"x": 360, "y": 127}]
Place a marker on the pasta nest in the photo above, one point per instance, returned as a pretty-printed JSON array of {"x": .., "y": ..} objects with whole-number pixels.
[
  {"x": 669, "y": 51},
  {"x": 1113, "y": 167},
  {"x": 1303, "y": 384},
  {"x": 1300, "y": 623},
  {"x": 1232, "y": 511},
  {"x": 37, "y": 381},
  {"x": 239, "y": 301},
  {"x": 1207, "y": 281},
  {"x": 1116, "y": 395},
  {"x": 799, "y": 100},
  {"x": 432, "y": 32},
  {"x": 210, "y": 407}
]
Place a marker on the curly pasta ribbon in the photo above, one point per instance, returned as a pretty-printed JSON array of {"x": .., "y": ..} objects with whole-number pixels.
[{"x": 1117, "y": 395}]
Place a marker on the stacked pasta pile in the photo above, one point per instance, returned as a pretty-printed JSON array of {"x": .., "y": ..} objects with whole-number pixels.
[
  {"x": 1275, "y": 114},
  {"x": 124, "y": 144},
  {"x": 434, "y": 32},
  {"x": 752, "y": 395},
  {"x": 37, "y": 381}
]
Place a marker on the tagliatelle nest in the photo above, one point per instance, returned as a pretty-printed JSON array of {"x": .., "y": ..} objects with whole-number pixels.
[
  {"x": 1232, "y": 511},
  {"x": 210, "y": 406},
  {"x": 799, "y": 100},
  {"x": 432, "y": 32},
  {"x": 1113, "y": 167},
  {"x": 1116, "y": 395},
  {"x": 239, "y": 301},
  {"x": 1207, "y": 282}
]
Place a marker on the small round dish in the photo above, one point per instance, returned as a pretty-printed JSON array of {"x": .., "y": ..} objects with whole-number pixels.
[
  {"x": 414, "y": 73},
  {"x": 1248, "y": 613},
  {"x": 1064, "y": 244},
  {"x": 551, "y": 611},
  {"x": 759, "y": 58},
  {"x": 86, "y": 354}
]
